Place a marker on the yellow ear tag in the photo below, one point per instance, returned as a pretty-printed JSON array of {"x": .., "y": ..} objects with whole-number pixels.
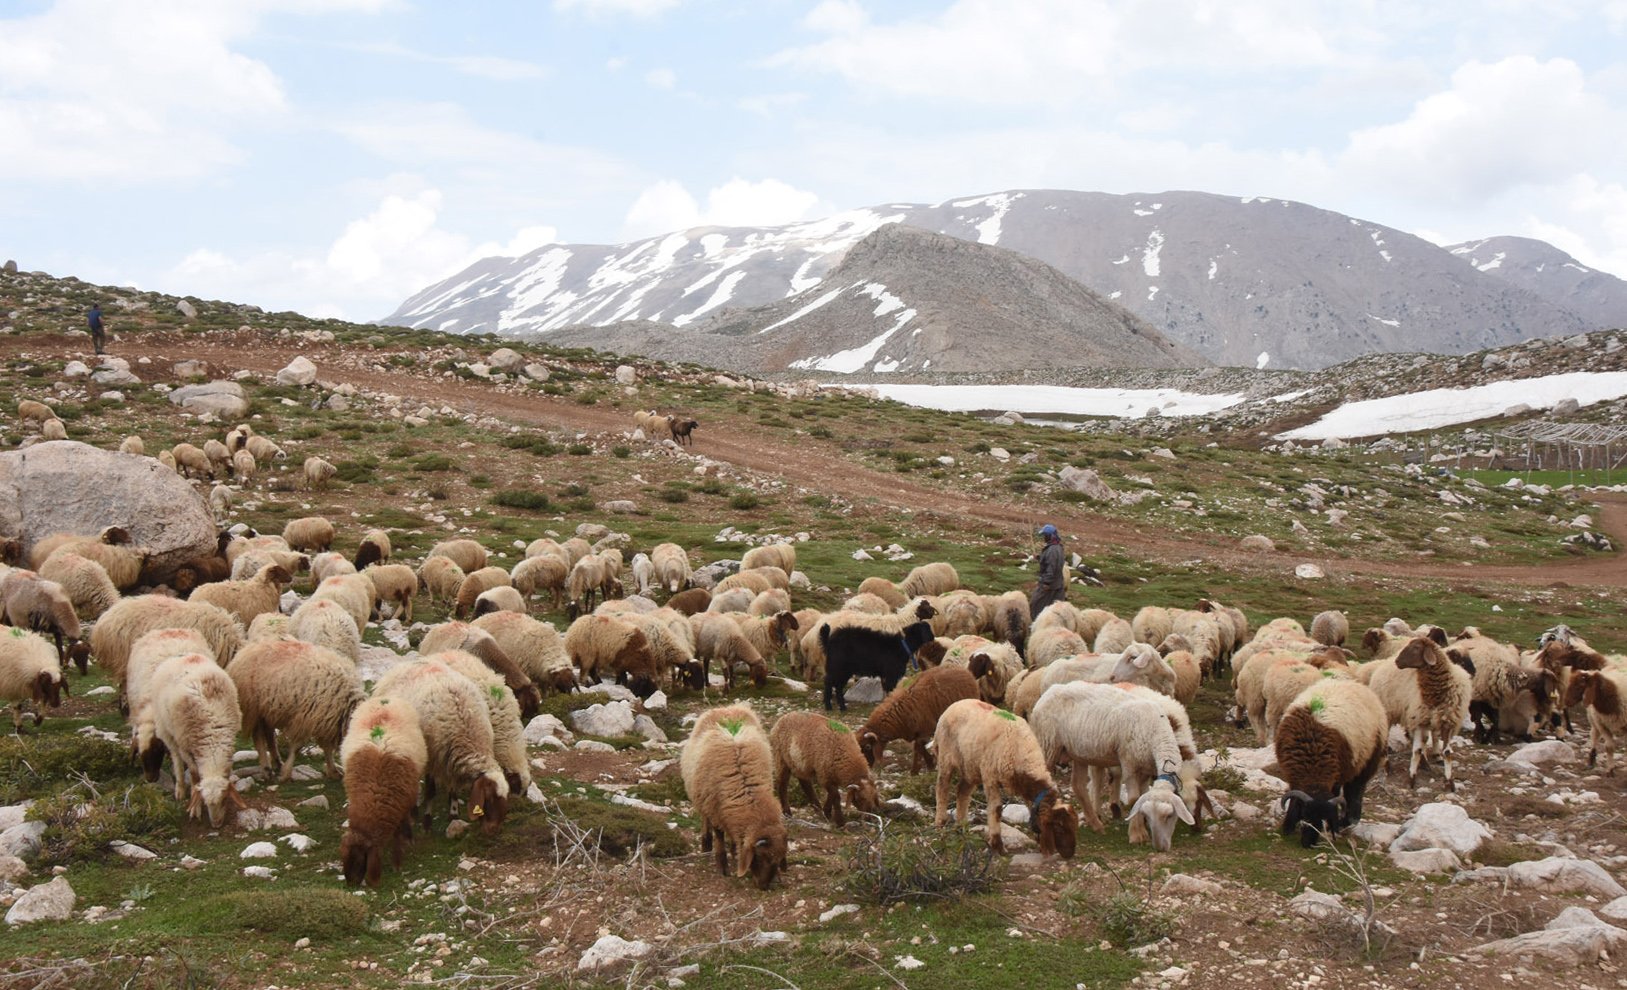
[{"x": 477, "y": 811}]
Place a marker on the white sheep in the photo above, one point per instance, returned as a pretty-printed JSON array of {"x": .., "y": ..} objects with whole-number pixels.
[
  {"x": 246, "y": 600},
  {"x": 534, "y": 645},
  {"x": 196, "y": 718},
  {"x": 458, "y": 738},
  {"x": 29, "y": 673},
  {"x": 981, "y": 744},
  {"x": 1428, "y": 695},
  {"x": 301, "y": 690},
  {"x": 120, "y": 626},
  {"x": 508, "y": 732}
]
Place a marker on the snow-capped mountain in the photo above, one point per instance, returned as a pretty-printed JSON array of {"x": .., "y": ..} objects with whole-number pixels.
[
  {"x": 1599, "y": 298},
  {"x": 1241, "y": 281}
]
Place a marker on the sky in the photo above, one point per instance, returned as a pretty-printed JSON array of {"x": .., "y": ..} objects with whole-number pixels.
[{"x": 335, "y": 156}]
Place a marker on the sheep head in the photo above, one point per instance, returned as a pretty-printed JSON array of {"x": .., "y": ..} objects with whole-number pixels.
[
  {"x": 1174, "y": 643},
  {"x": 563, "y": 680},
  {"x": 1420, "y": 653},
  {"x": 873, "y": 745},
  {"x": 978, "y": 664},
  {"x": 1583, "y": 686},
  {"x": 488, "y": 801},
  {"x": 863, "y": 797},
  {"x": 367, "y": 553},
  {"x": 1154, "y": 815},
  {"x": 1462, "y": 660},
  {"x": 1314, "y": 816},
  {"x": 115, "y": 536},
  {"x": 1372, "y": 639},
  {"x": 485, "y": 606},
  {"x": 931, "y": 654},
  {"x": 152, "y": 758},
  {"x": 218, "y": 797},
  {"x": 79, "y": 655},
  {"x": 47, "y": 688},
  {"x": 1057, "y": 827},
  {"x": 363, "y": 861},
  {"x": 762, "y": 854},
  {"x": 691, "y": 674}
]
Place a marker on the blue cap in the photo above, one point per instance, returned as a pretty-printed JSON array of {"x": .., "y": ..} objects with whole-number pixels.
[{"x": 1047, "y": 530}]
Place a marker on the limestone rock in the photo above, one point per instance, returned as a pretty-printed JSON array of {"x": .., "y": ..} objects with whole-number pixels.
[
  {"x": 1543, "y": 753},
  {"x": 1441, "y": 826},
  {"x": 1086, "y": 482},
  {"x": 646, "y": 727},
  {"x": 187, "y": 309},
  {"x": 1576, "y": 937},
  {"x": 69, "y": 487},
  {"x": 505, "y": 359},
  {"x": 612, "y": 952},
  {"x": 12, "y": 869},
  {"x": 224, "y": 399},
  {"x": 1258, "y": 542},
  {"x": 1566, "y": 407},
  {"x": 1427, "y": 861},
  {"x": 621, "y": 506},
  {"x": 1375, "y": 833},
  {"x": 1308, "y": 572},
  {"x": 259, "y": 850},
  {"x": 537, "y": 372},
  {"x": 543, "y": 726},
  {"x": 1555, "y": 874},
  {"x": 22, "y": 841},
  {"x": 1185, "y": 885},
  {"x": 190, "y": 369},
  {"x": 51, "y": 901},
  {"x": 613, "y": 718},
  {"x": 14, "y": 814},
  {"x": 625, "y": 375},
  {"x": 300, "y": 371}
]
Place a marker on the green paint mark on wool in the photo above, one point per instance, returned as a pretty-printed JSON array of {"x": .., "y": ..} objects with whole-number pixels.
[
  {"x": 497, "y": 692},
  {"x": 17, "y": 633},
  {"x": 1328, "y": 675},
  {"x": 377, "y": 733},
  {"x": 836, "y": 726},
  {"x": 733, "y": 726},
  {"x": 1316, "y": 705},
  {"x": 1005, "y": 714}
]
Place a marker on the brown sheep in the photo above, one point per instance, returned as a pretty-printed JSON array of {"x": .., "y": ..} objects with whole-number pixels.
[{"x": 911, "y": 713}]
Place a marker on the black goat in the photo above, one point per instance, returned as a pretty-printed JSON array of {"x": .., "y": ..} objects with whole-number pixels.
[{"x": 855, "y": 651}]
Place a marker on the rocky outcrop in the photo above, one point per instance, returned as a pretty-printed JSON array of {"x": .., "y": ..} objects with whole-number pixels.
[{"x": 224, "y": 399}]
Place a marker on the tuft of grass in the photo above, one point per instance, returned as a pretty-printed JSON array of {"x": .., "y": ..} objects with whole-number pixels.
[
  {"x": 303, "y": 912},
  {"x": 890, "y": 868},
  {"x": 619, "y": 830},
  {"x": 519, "y": 498},
  {"x": 81, "y": 829},
  {"x": 745, "y": 500},
  {"x": 1129, "y": 920},
  {"x": 35, "y": 765}
]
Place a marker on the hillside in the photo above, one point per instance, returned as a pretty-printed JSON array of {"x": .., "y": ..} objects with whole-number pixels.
[
  {"x": 905, "y": 299},
  {"x": 1599, "y": 298},
  {"x": 1240, "y": 281}
]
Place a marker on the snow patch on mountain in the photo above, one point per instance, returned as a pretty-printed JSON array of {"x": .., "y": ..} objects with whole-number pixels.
[
  {"x": 1442, "y": 407},
  {"x": 1149, "y": 255},
  {"x": 804, "y": 311}
]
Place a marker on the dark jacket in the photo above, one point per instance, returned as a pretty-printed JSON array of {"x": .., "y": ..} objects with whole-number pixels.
[
  {"x": 94, "y": 319},
  {"x": 1050, "y": 587}
]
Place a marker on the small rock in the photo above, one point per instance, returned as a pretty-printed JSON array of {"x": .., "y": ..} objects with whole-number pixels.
[
  {"x": 625, "y": 375},
  {"x": 456, "y": 828},
  {"x": 1185, "y": 885},
  {"x": 1427, "y": 861},
  {"x": 645, "y": 726},
  {"x": 132, "y": 852},
  {"x": 594, "y": 746},
  {"x": 260, "y": 872},
  {"x": 259, "y": 850},
  {"x": 1258, "y": 542},
  {"x": 1543, "y": 753},
  {"x": 1556, "y": 874},
  {"x": 612, "y": 952},
  {"x": 187, "y": 309},
  {"x": 1375, "y": 833},
  {"x": 22, "y": 841},
  {"x": 299, "y": 371},
  {"x": 546, "y": 726},
  {"x": 1308, "y": 572},
  {"x": 1441, "y": 826},
  {"x": 613, "y": 718},
  {"x": 1015, "y": 814},
  {"x": 52, "y": 901},
  {"x": 837, "y": 912},
  {"x": 12, "y": 869},
  {"x": 656, "y": 702},
  {"x": 621, "y": 506},
  {"x": 319, "y": 801}
]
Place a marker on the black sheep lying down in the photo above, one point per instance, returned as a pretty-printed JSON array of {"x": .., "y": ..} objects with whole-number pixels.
[{"x": 858, "y": 651}]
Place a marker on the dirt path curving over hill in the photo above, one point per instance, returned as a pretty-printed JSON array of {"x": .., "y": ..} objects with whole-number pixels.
[{"x": 820, "y": 466}]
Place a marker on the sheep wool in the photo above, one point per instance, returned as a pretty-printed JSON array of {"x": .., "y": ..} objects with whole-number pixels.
[
  {"x": 911, "y": 711},
  {"x": 247, "y": 600},
  {"x": 353, "y": 592},
  {"x": 146, "y": 656},
  {"x": 301, "y": 690},
  {"x": 479, "y": 643},
  {"x": 1330, "y": 628},
  {"x": 441, "y": 577},
  {"x": 313, "y": 534},
  {"x": 500, "y": 599},
  {"x": 823, "y": 755},
  {"x": 781, "y": 555},
  {"x": 396, "y": 584},
  {"x": 469, "y": 555},
  {"x": 120, "y": 626},
  {"x": 728, "y": 773},
  {"x": 29, "y": 673},
  {"x": 534, "y": 645},
  {"x": 374, "y": 549},
  {"x": 323, "y": 623},
  {"x": 317, "y": 472},
  {"x": 330, "y": 563},
  {"x": 457, "y": 735},
  {"x": 477, "y": 583},
  {"x": 1329, "y": 744},
  {"x": 671, "y": 565},
  {"x": 1428, "y": 695},
  {"x": 508, "y": 732},
  {"x": 981, "y": 744},
  {"x": 196, "y": 719},
  {"x": 546, "y": 572},
  {"x": 383, "y": 756},
  {"x": 1602, "y": 692},
  {"x": 611, "y": 646},
  {"x": 885, "y": 590}
]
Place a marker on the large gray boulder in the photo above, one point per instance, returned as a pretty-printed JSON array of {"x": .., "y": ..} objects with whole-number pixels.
[
  {"x": 47, "y": 902},
  {"x": 68, "y": 487},
  {"x": 224, "y": 399}
]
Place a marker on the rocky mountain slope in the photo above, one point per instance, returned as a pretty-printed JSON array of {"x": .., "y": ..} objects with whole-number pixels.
[
  {"x": 908, "y": 300},
  {"x": 1599, "y": 298},
  {"x": 1241, "y": 281}
]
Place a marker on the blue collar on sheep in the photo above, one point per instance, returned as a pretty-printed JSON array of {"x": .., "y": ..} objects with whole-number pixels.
[
  {"x": 1038, "y": 798},
  {"x": 1174, "y": 781}
]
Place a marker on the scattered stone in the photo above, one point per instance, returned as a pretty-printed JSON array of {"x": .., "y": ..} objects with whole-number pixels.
[
  {"x": 1427, "y": 861},
  {"x": 456, "y": 828},
  {"x": 1000, "y": 454},
  {"x": 1258, "y": 542},
  {"x": 1186, "y": 885},
  {"x": 837, "y": 911},
  {"x": 614, "y": 718},
  {"x": 13, "y": 815},
  {"x": 1015, "y": 814},
  {"x": 1567, "y": 407},
  {"x": 1556, "y": 874},
  {"x": 224, "y": 399},
  {"x": 1576, "y": 937},
  {"x": 132, "y": 852},
  {"x": 12, "y": 869},
  {"x": 1308, "y": 572},
  {"x": 190, "y": 369},
  {"x": 656, "y": 702},
  {"x": 625, "y": 375},
  {"x": 594, "y": 746},
  {"x": 52, "y": 901},
  {"x": 298, "y": 842},
  {"x": 260, "y": 872},
  {"x": 299, "y": 371},
  {"x": 1375, "y": 833},
  {"x": 546, "y": 726},
  {"x": 187, "y": 309},
  {"x": 1439, "y": 825},
  {"x": 1543, "y": 753},
  {"x": 645, "y": 726},
  {"x": 259, "y": 850},
  {"x": 505, "y": 359},
  {"x": 621, "y": 506},
  {"x": 1086, "y": 482},
  {"x": 537, "y": 372},
  {"x": 22, "y": 841},
  {"x": 612, "y": 952},
  {"x": 319, "y": 801}
]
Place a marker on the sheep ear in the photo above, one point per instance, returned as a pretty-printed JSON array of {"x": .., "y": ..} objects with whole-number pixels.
[
  {"x": 1135, "y": 809},
  {"x": 743, "y": 866},
  {"x": 1184, "y": 813},
  {"x": 1140, "y": 659}
]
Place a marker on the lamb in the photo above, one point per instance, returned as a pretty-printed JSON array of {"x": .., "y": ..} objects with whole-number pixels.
[
  {"x": 196, "y": 718},
  {"x": 1202, "y": 630},
  {"x": 718, "y": 638},
  {"x": 671, "y": 565},
  {"x": 508, "y": 732},
  {"x": 30, "y": 411},
  {"x": 467, "y": 554},
  {"x": 985, "y": 745},
  {"x": 1329, "y": 744},
  {"x": 52, "y": 429},
  {"x": 1188, "y": 673},
  {"x": 383, "y": 756},
  {"x": 866, "y": 651},
  {"x": 120, "y": 626},
  {"x": 609, "y": 645},
  {"x": 1602, "y": 691},
  {"x": 770, "y": 602},
  {"x": 191, "y": 461},
  {"x": 29, "y": 673},
  {"x": 243, "y": 466},
  {"x": 1428, "y": 695},
  {"x": 544, "y": 573},
  {"x": 247, "y": 599},
  {"x": 1099, "y": 727},
  {"x": 533, "y": 645},
  {"x": 273, "y": 625},
  {"x": 252, "y": 562},
  {"x": 728, "y": 773},
  {"x": 220, "y": 502},
  {"x": 911, "y": 711},
  {"x": 374, "y": 549},
  {"x": 149, "y": 653},
  {"x": 309, "y": 533},
  {"x": 32, "y": 602},
  {"x": 1330, "y": 628},
  {"x": 731, "y": 600},
  {"x": 499, "y": 599},
  {"x": 167, "y": 458},
  {"x": 237, "y": 437},
  {"x": 328, "y": 624},
  {"x": 317, "y": 472},
  {"x": 823, "y": 755},
  {"x": 743, "y": 580},
  {"x": 885, "y": 590},
  {"x": 781, "y": 555},
  {"x": 681, "y": 429},
  {"x": 808, "y": 620},
  {"x": 768, "y": 634},
  {"x": 458, "y": 739},
  {"x": 930, "y": 579},
  {"x": 479, "y": 643},
  {"x": 1049, "y": 643},
  {"x": 586, "y": 579},
  {"x": 993, "y": 664},
  {"x": 1114, "y": 637},
  {"x": 83, "y": 580},
  {"x": 395, "y": 583},
  {"x": 300, "y": 689},
  {"x": 441, "y": 577}
]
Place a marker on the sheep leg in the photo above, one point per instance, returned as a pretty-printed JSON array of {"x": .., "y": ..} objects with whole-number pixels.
[
  {"x": 288, "y": 764},
  {"x": 330, "y": 770},
  {"x": 782, "y": 787},
  {"x": 1093, "y": 799},
  {"x": 991, "y": 794},
  {"x": 922, "y": 756},
  {"x": 1446, "y": 762},
  {"x": 963, "y": 799},
  {"x": 1417, "y": 757},
  {"x": 1084, "y": 794},
  {"x": 941, "y": 817},
  {"x": 833, "y": 805},
  {"x": 721, "y": 853}
]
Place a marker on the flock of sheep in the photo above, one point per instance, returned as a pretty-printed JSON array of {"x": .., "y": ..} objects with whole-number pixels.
[{"x": 997, "y": 699}]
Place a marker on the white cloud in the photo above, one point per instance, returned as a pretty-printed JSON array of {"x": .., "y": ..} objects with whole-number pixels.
[
  {"x": 668, "y": 206},
  {"x": 770, "y": 104},
  {"x": 661, "y": 78},
  {"x": 600, "y": 8},
  {"x": 494, "y": 67}
]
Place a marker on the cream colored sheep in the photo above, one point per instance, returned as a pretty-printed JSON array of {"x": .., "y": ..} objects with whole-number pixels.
[
  {"x": 718, "y": 638},
  {"x": 247, "y": 599},
  {"x": 885, "y": 590},
  {"x": 141, "y": 688},
  {"x": 458, "y": 738},
  {"x": 1114, "y": 637},
  {"x": 263, "y": 449},
  {"x": 475, "y": 584},
  {"x": 546, "y": 572},
  {"x": 328, "y": 624},
  {"x": 331, "y": 563},
  {"x": 508, "y": 732},
  {"x": 30, "y": 673},
  {"x": 727, "y": 766},
  {"x": 120, "y": 626},
  {"x": 1330, "y": 628},
  {"x": 252, "y": 562},
  {"x": 196, "y": 718},
  {"x": 220, "y": 501},
  {"x": 353, "y": 591},
  {"x": 312, "y": 534},
  {"x": 191, "y": 461},
  {"x": 500, "y": 599},
  {"x": 930, "y": 579},
  {"x": 467, "y": 554},
  {"x": 732, "y": 600},
  {"x": 394, "y": 583},
  {"x": 604, "y": 645},
  {"x": 219, "y": 457},
  {"x": 1049, "y": 643},
  {"x": 299, "y": 689},
  {"x": 52, "y": 429},
  {"x": 535, "y": 646},
  {"x": 1428, "y": 695},
  {"x": 243, "y": 466},
  {"x": 83, "y": 580},
  {"x": 441, "y": 577},
  {"x": 30, "y": 411},
  {"x": 781, "y": 555},
  {"x": 750, "y": 581},
  {"x": 374, "y": 549},
  {"x": 479, "y": 643},
  {"x": 1152, "y": 624},
  {"x": 981, "y": 744},
  {"x": 318, "y": 472},
  {"x": 671, "y": 565},
  {"x": 271, "y": 625},
  {"x": 768, "y": 634}
]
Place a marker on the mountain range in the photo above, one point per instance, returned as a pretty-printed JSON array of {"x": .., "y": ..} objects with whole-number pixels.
[{"x": 1201, "y": 277}]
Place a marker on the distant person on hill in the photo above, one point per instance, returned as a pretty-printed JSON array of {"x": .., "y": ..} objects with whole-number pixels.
[
  {"x": 1052, "y": 586},
  {"x": 94, "y": 320}
]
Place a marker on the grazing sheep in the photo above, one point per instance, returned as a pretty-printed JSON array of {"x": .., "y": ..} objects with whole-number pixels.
[
  {"x": 1498, "y": 679},
  {"x": 768, "y": 634},
  {"x": 1601, "y": 691},
  {"x": 83, "y": 580},
  {"x": 313, "y": 534},
  {"x": 500, "y": 599},
  {"x": 546, "y": 545},
  {"x": 479, "y": 643},
  {"x": 728, "y": 773},
  {"x": 237, "y": 437},
  {"x": 671, "y": 640},
  {"x": 1010, "y": 622},
  {"x": 718, "y": 638},
  {"x": 120, "y": 626},
  {"x": 441, "y": 577},
  {"x": 1115, "y": 637},
  {"x": 147, "y": 654},
  {"x": 508, "y": 731},
  {"x": 862, "y": 651},
  {"x": 1428, "y": 694},
  {"x": 731, "y": 600},
  {"x": 771, "y": 602},
  {"x": 246, "y": 600},
  {"x": 167, "y": 458},
  {"x": 751, "y": 581},
  {"x": 273, "y": 625},
  {"x": 1330, "y": 628},
  {"x": 1188, "y": 674},
  {"x": 808, "y": 620},
  {"x": 196, "y": 719},
  {"x": 691, "y": 601},
  {"x": 243, "y": 466},
  {"x": 868, "y": 604},
  {"x": 930, "y": 579},
  {"x": 1139, "y": 664},
  {"x": 1152, "y": 624},
  {"x": 261, "y": 448},
  {"x": 671, "y": 565},
  {"x": 52, "y": 429},
  {"x": 544, "y": 573},
  {"x": 1063, "y": 615},
  {"x": 37, "y": 412},
  {"x": 1284, "y": 682},
  {"x": 1049, "y": 643},
  {"x": 910, "y": 712},
  {"x": 353, "y": 591},
  {"x": 475, "y": 584},
  {"x": 328, "y": 624},
  {"x": 220, "y": 502},
  {"x": 317, "y": 472},
  {"x": 383, "y": 756},
  {"x": 981, "y": 744},
  {"x": 252, "y": 562},
  {"x": 374, "y": 549},
  {"x": 219, "y": 457},
  {"x": 32, "y": 602},
  {"x": 993, "y": 664},
  {"x": 885, "y": 590},
  {"x": 1202, "y": 630},
  {"x": 29, "y": 673},
  {"x": 111, "y": 548},
  {"x": 587, "y": 578},
  {"x": 467, "y": 554},
  {"x": 1329, "y": 744},
  {"x": 781, "y": 555},
  {"x": 191, "y": 461},
  {"x": 458, "y": 739},
  {"x": 394, "y": 583},
  {"x": 1251, "y": 685},
  {"x": 602, "y": 645},
  {"x": 961, "y": 613},
  {"x": 302, "y": 690},
  {"x": 331, "y": 563},
  {"x": 823, "y": 755},
  {"x": 535, "y": 646}
]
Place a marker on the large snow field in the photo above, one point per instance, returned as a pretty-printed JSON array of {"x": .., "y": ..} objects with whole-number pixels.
[
  {"x": 1443, "y": 407},
  {"x": 1057, "y": 399}
]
